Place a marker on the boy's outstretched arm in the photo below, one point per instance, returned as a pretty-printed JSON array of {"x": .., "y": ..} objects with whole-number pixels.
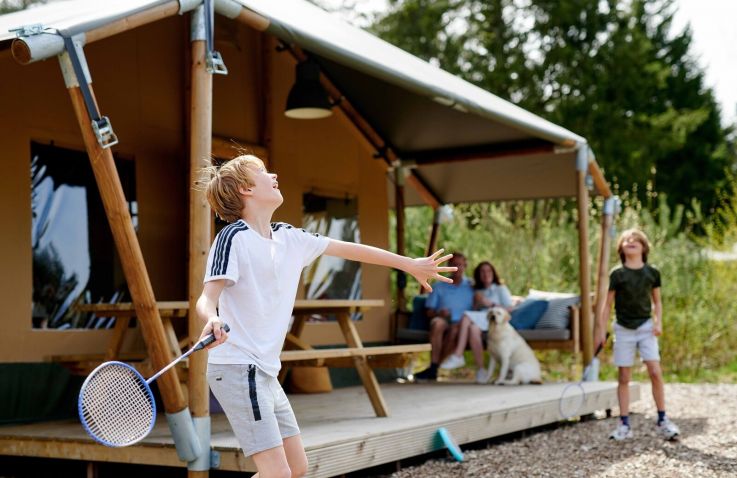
[
  {"x": 604, "y": 320},
  {"x": 207, "y": 311},
  {"x": 423, "y": 268}
]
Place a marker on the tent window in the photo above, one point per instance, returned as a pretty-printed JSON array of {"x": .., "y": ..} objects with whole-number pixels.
[
  {"x": 74, "y": 256},
  {"x": 332, "y": 277}
]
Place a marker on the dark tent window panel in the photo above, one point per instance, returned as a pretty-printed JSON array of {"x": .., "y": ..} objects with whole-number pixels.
[
  {"x": 331, "y": 277},
  {"x": 74, "y": 256}
]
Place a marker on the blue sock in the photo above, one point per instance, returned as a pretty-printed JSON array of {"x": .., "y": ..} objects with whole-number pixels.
[
  {"x": 661, "y": 416},
  {"x": 625, "y": 419}
]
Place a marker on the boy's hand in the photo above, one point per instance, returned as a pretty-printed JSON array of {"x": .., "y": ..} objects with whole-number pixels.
[
  {"x": 425, "y": 268},
  {"x": 657, "y": 329},
  {"x": 600, "y": 339},
  {"x": 214, "y": 326}
]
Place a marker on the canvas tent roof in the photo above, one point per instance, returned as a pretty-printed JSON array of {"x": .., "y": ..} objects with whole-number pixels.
[{"x": 464, "y": 143}]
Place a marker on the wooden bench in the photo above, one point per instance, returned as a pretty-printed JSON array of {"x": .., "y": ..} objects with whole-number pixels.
[{"x": 568, "y": 340}]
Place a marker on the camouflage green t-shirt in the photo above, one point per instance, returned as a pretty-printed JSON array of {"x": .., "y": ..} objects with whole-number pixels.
[{"x": 633, "y": 290}]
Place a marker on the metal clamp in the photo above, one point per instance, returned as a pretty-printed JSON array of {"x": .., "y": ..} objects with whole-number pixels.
[
  {"x": 104, "y": 132},
  {"x": 29, "y": 30},
  {"x": 215, "y": 64}
]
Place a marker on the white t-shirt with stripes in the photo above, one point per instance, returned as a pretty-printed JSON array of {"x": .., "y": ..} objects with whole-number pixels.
[{"x": 262, "y": 276}]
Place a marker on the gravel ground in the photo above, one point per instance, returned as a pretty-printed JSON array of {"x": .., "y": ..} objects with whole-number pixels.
[{"x": 705, "y": 413}]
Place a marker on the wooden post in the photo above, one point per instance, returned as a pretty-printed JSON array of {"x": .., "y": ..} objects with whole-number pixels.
[
  {"x": 434, "y": 231},
  {"x": 602, "y": 276},
  {"x": 200, "y": 147},
  {"x": 199, "y": 220},
  {"x": 131, "y": 258},
  {"x": 399, "y": 212},
  {"x": 587, "y": 330},
  {"x": 266, "y": 126}
]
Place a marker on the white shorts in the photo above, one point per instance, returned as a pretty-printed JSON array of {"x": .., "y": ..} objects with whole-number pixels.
[
  {"x": 256, "y": 406},
  {"x": 480, "y": 318},
  {"x": 626, "y": 341}
]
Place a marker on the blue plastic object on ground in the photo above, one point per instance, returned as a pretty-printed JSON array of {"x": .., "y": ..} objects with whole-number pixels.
[{"x": 450, "y": 444}]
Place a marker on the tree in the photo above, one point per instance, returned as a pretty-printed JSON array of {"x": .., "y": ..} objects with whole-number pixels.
[{"x": 611, "y": 71}]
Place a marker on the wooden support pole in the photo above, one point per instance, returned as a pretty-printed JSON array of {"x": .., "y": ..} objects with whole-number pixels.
[
  {"x": 401, "y": 275},
  {"x": 200, "y": 232},
  {"x": 131, "y": 258},
  {"x": 433, "y": 232},
  {"x": 199, "y": 220},
  {"x": 602, "y": 275},
  {"x": 587, "y": 329}
]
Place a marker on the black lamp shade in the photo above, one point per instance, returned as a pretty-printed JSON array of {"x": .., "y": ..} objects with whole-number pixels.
[{"x": 308, "y": 99}]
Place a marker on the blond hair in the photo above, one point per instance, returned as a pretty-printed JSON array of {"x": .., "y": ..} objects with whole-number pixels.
[
  {"x": 639, "y": 236},
  {"x": 222, "y": 183}
]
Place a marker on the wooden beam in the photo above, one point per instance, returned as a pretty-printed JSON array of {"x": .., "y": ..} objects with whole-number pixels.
[
  {"x": 23, "y": 53},
  {"x": 587, "y": 329},
  {"x": 229, "y": 148},
  {"x": 600, "y": 182},
  {"x": 129, "y": 250}
]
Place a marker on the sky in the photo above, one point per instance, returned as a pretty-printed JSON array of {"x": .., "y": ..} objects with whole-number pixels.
[{"x": 714, "y": 30}]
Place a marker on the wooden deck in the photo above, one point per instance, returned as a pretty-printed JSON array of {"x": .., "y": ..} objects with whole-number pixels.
[{"x": 340, "y": 431}]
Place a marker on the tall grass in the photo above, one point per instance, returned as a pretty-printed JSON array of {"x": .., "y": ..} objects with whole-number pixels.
[{"x": 535, "y": 245}]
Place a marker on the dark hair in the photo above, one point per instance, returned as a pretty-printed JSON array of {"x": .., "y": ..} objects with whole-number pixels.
[{"x": 477, "y": 284}]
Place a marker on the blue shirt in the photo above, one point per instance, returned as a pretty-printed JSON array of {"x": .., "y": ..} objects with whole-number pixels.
[{"x": 456, "y": 298}]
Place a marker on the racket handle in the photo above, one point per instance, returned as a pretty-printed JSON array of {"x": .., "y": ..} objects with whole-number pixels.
[
  {"x": 601, "y": 345},
  {"x": 209, "y": 339}
]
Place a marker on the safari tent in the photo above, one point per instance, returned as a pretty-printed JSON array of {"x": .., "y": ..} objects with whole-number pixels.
[{"x": 109, "y": 109}]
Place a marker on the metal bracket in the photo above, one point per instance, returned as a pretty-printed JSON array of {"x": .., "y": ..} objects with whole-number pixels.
[
  {"x": 29, "y": 30},
  {"x": 215, "y": 64},
  {"x": 104, "y": 132},
  {"x": 214, "y": 459}
]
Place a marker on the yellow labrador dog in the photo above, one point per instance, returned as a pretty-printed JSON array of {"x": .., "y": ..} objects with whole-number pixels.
[{"x": 511, "y": 351}]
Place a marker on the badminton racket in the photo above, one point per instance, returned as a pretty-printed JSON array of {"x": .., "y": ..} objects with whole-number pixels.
[
  {"x": 116, "y": 405},
  {"x": 574, "y": 396}
]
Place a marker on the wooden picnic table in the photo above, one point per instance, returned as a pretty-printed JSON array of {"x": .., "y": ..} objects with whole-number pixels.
[{"x": 296, "y": 351}]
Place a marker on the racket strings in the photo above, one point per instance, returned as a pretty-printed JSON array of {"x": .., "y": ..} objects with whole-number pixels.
[
  {"x": 572, "y": 400},
  {"x": 116, "y": 406}
]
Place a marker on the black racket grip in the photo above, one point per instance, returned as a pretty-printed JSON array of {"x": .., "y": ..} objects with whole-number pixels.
[
  {"x": 210, "y": 339},
  {"x": 601, "y": 345}
]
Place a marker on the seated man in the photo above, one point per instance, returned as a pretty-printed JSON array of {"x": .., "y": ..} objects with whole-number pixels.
[{"x": 445, "y": 307}]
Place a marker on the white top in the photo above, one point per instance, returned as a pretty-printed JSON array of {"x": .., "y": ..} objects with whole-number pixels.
[
  {"x": 261, "y": 276},
  {"x": 498, "y": 293}
]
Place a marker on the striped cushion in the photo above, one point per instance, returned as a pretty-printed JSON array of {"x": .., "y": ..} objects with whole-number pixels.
[{"x": 557, "y": 316}]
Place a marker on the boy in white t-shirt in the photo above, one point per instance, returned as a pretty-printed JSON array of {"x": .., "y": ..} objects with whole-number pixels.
[{"x": 253, "y": 271}]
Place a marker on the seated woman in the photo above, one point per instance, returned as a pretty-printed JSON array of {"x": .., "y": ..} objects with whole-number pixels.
[{"x": 490, "y": 292}]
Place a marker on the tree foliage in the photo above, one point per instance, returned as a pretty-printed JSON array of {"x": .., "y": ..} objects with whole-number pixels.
[{"x": 614, "y": 72}]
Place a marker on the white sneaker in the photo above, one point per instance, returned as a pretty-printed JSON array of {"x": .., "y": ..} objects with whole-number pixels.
[
  {"x": 482, "y": 375},
  {"x": 622, "y": 432},
  {"x": 668, "y": 430},
  {"x": 454, "y": 361}
]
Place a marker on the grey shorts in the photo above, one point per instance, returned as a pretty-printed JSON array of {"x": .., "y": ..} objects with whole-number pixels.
[
  {"x": 256, "y": 406},
  {"x": 627, "y": 341}
]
